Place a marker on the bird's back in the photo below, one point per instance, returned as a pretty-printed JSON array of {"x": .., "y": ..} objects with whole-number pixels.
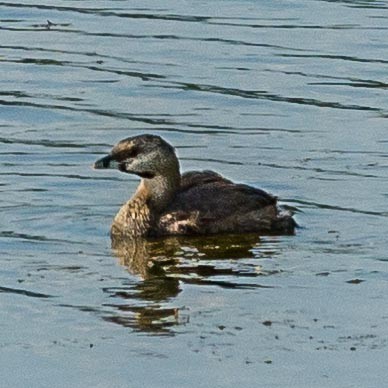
[{"x": 206, "y": 203}]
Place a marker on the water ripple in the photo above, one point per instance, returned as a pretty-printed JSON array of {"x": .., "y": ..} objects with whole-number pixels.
[
  {"x": 298, "y": 85},
  {"x": 265, "y": 95},
  {"x": 19, "y": 291},
  {"x": 340, "y": 208}
]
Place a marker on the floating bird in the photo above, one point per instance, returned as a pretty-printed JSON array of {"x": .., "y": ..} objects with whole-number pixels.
[{"x": 196, "y": 202}]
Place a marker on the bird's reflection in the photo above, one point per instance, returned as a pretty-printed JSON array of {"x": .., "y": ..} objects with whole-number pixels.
[{"x": 163, "y": 265}]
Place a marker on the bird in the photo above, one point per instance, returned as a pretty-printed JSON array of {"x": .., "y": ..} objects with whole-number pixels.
[{"x": 167, "y": 202}]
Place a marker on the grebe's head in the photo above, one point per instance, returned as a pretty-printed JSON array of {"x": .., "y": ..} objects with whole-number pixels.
[{"x": 145, "y": 155}]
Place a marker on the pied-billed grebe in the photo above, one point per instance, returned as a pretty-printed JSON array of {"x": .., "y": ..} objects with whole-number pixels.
[{"x": 197, "y": 202}]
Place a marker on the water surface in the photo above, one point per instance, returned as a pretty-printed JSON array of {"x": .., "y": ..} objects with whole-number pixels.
[{"x": 289, "y": 96}]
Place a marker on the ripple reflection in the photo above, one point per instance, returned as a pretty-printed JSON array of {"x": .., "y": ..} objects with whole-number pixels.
[{"x": 165, "y": 266}]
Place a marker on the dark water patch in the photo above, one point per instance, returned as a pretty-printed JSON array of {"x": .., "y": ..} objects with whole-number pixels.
[
  {"x": 98, "y": 112},
  {"x": 166, "y": 17},
  {"x": 61, "y": 268},
  {"x": 147, "y": 120},
  {"x": 345, "y": 81},
  {"x": 100, "y": 57},
  {"x": 14, "y": 93},
  {"x": 60, "y": 164},
  {"x": 211, "y": 270},
  {"x": 10, "y": 234},
  {"x": 363, "y": 84},
  {"x": 49, "y": 143},
  {"x": 15, "y": 206},
  {"x": 224, "y": 284},
  {"x": 341, "y": 249},
  {"x": 26, "y": 190},
  {"x": 19, "y": 153},
  {"x": 322, "y": 274},
  {"x": 321, "y": 178},
  {"x": 209, "y": 129},
  {"x": 106, "y": 12},
  {"x": 187, "y": 38},
  {"x": 335, "y": 57},
  {"x": 134, "y": 74},
  {"x": 241, "y": 130},
  {"x": 190, "y": 146},
  {"x": 353, "y": 152},
  {"x": 67, "y": 176},
  {"x": 321, "y": 170},
  {"x": 146, "y": 321},
  {"x": 244, "y": 43},
  {"x": 264, "y": 95},
  {"x": 11, "y": 20},
  {"x": 339, "y": 208},
  {"x": 102, "y": 81},
  {"x": 362, "y": 4},
  {"x": 355, "y": 281},
  {"x": 49, "y": 25},
  {"x": 18, "y": 291},
  {"x": 50, "y": 7},
  {"x": 62, "y": 63},
  {"x": 153, "y": 290},
  {"x": 24, "y": 236},
  {"x": 37, "y": 27},
  {"x": 40, "y": 61},
  {"x": 215, "y": 161},
  {"x": 277, "y": 26},
  {"x": 88, "y": 309}
]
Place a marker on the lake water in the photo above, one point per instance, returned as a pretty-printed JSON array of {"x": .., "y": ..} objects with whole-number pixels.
[{"x": 289, "y": 96}]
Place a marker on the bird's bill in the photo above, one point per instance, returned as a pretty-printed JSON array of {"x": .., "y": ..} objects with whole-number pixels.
[{"x": 105, "y": 162}]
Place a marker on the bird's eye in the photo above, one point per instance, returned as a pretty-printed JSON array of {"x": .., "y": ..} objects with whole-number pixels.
[
  {"x": 133, "y": 152},
  {"x": 125, "y": 155}
]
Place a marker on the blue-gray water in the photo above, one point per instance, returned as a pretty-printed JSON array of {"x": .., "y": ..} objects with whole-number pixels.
[{"x": 289, "y": 96}]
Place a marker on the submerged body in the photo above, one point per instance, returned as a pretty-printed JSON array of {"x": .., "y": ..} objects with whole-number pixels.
[{"x": 197, "y": 202}]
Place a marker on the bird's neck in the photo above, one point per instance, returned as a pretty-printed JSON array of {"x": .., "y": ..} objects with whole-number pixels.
[
  {"x": 159, "y": 191},
  {"x": 139, "y": 215}
]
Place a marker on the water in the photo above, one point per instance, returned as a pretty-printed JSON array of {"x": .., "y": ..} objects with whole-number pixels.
[{"x": 289, "y": 96}]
